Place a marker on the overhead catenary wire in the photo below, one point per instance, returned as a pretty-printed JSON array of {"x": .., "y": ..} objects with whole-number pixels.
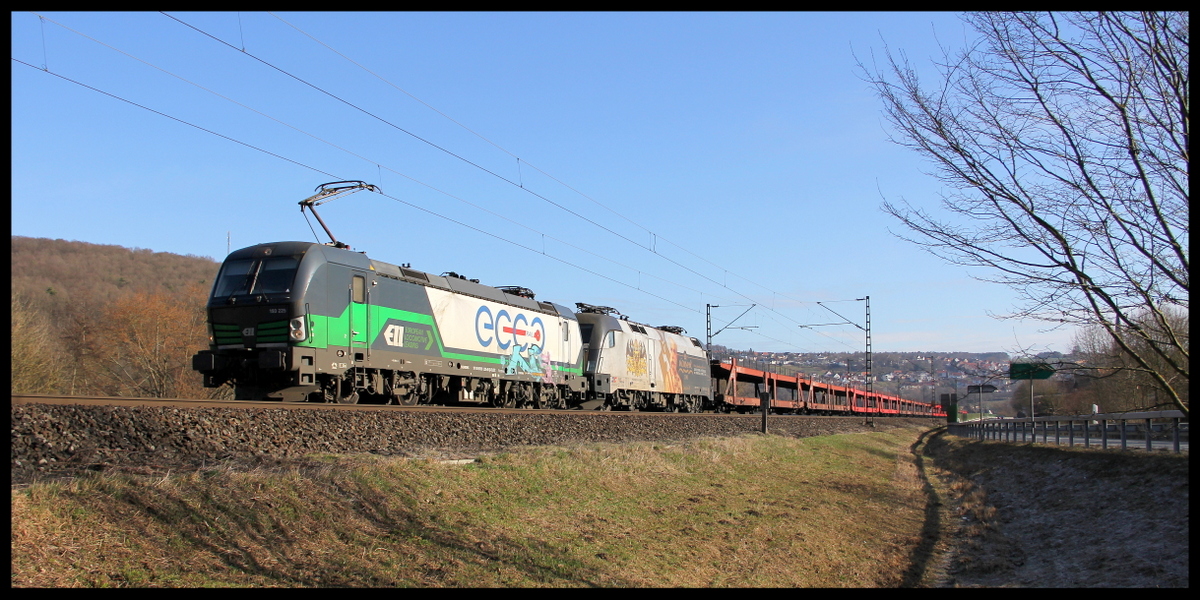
[
  {"x": 160, "y": 113},
  {"x": 401, "y": 129},
  {"x": 377, "y": 164},
  {"x": 45, "y": 60},
  {"x": 654, "y": 236},
  {"x": 334, "y": 176},
  {"x": 494, "y": 174}
]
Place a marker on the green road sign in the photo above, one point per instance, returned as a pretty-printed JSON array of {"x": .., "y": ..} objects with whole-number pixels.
[{"x": 1030, "y": 371}]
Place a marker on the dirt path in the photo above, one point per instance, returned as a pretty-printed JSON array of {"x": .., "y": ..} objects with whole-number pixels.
[{"x": 1025, "y": 515}]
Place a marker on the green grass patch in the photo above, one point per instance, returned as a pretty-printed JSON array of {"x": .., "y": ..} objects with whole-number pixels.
[{"x": 843, "y": 510}]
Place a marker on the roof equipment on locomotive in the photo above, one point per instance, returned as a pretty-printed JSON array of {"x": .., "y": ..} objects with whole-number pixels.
[{"x": 325, "y": 194}]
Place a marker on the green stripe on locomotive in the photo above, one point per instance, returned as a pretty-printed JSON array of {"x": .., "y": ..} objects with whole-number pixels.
[
  {"x": 321, "y": 290},
  {"x": 326, "y": 331},
  {"x": 375, "y": 318}
]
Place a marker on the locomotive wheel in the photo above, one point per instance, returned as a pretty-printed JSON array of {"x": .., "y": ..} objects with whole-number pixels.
[
  {"x": 551, "y": 398},
  {"x": 505, "y": 399},
  {"x": 351, "y": 399},
  {"x": 524, "y": 396},
  {"x": 409, "y": 399}
]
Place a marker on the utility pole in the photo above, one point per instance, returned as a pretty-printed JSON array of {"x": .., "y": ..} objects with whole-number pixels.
[
  {"x": 708, "y": 328},
  {"x": 708, "y": 324},
  {"x": 933, "y": 396},
  {"x": 956, "y": 391},
  {"x": 1031, "y": 401},
  {"x": 870, "y": 383}
]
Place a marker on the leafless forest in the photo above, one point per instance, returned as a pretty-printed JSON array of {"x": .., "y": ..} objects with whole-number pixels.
[{"x": 106, "y": 320}]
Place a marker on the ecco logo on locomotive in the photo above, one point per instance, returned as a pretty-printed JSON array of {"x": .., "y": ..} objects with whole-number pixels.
[{"x": 506, "y": 330}]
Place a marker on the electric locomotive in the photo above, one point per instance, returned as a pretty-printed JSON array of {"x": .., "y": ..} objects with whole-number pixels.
[
  {"x": 302, "y": 321},
  {"x": 632, "y": 366}
]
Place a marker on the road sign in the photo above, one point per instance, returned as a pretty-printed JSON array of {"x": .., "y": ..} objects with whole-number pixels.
[
  {"x": 980, "y": 389},
  {"x": 1030, "y": 371},
  {"x": 950, "y": 401}
]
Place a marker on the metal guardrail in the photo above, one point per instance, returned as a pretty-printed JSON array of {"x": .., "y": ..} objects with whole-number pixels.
[{"x": 1171, "y": 424}]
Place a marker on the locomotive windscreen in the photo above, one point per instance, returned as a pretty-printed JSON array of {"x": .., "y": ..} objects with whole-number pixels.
[{"x": 273, "y": 275}]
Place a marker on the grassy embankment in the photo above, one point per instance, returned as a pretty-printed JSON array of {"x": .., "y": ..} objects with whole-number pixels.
[{"x": 846, "y": 510}]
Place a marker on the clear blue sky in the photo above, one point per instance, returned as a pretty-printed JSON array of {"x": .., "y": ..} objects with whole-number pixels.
[{"x": 708, "y": 158}]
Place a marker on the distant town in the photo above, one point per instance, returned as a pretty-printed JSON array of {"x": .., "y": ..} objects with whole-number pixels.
[{"x": 913, "y": 375}]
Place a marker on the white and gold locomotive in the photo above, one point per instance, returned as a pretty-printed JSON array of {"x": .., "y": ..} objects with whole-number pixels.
[{"x": 632, "y": 366}]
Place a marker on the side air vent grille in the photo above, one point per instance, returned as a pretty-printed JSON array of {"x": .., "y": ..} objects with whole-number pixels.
[{"x": 414, "y": 274}]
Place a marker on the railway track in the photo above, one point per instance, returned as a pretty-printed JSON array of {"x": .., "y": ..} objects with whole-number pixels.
[
  {"x": 196, "y": 403},
  {"x": 56, "y": 436},
  {"x": 249, "y": 404}
]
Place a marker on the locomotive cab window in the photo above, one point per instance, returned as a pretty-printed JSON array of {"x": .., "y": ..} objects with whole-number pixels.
[
  {"x": 358, "y": 289},
  {"x": 610, "y": 340},
  {"x": 272, "y": 275}
]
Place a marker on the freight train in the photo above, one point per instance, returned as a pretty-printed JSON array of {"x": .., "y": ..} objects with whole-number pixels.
[{"x": 303, "y": 321}]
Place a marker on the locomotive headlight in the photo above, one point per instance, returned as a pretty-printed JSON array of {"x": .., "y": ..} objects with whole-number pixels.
[{"x": 296, "y": 329}]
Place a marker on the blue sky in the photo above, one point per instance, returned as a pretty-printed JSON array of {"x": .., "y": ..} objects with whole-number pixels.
[{"x": 653, "y": 162}]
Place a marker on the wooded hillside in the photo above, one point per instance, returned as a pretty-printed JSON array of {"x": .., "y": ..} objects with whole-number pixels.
[{"x": 106, "y": 320}]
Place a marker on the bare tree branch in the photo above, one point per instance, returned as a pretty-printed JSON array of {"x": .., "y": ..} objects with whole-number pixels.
[{"x": 1063, "y": 139}]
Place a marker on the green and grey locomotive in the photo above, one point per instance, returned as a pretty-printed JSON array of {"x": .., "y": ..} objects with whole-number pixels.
[{"x": 302, "y": 321}]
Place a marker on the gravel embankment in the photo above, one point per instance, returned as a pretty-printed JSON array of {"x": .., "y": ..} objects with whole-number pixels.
[{"x": 57, "y": 440}]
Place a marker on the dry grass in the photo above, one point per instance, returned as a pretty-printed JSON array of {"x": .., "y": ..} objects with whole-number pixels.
[
  {"x": 1032, "y": 515},
  {"x": 757, "y": 511}
]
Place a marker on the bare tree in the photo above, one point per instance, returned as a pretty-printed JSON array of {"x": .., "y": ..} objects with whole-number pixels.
[
  {"x": 1048, "y": 398},
  {"x": 1105, "y": 371},
  {"x": 1063, "y": 141},
  {"x": 144, "y": 342},
  {"x": 37, "y": 360}
]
